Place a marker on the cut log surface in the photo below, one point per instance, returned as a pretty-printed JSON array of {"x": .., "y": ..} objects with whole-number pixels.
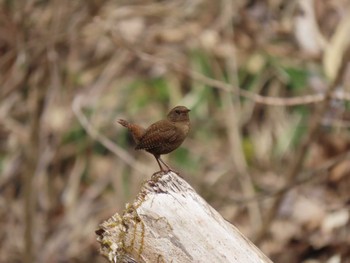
[{"x": 170, "y": 222}]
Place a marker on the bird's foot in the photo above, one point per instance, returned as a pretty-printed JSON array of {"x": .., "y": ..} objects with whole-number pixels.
[
  {"x": 173, "y": 171},
  {"x": 161, "y": 172},
  {"x": 158, "y": 174}
]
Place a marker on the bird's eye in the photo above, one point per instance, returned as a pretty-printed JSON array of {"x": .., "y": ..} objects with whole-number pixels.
[{"x": 177, "y": 112}]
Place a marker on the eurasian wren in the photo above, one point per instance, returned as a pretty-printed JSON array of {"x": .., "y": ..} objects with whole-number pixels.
[{"x": 161, "y": 137}]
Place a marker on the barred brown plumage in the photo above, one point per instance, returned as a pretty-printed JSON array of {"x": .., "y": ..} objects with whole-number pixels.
[{"x": 163, "y": 136}]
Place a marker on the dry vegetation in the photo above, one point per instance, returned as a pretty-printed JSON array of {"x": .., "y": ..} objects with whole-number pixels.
[{"x": 266, "y": 82}]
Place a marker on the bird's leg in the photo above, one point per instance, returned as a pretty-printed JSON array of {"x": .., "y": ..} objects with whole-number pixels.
[
  {"x": 160, "y": 166},
  {"x": 167, "y": 166}
]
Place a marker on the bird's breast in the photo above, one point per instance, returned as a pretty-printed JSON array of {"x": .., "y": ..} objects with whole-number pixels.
[{"x": 184, "y": 127}]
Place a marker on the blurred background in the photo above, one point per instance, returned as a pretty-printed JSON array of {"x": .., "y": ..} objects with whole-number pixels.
[{"x": 253, "y": 73}]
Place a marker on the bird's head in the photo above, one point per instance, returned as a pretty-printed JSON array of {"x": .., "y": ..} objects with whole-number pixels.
[{"x": 179, "y": 114}]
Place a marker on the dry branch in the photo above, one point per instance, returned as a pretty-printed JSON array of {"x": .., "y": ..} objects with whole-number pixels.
[
  {"x": 218, "y": 84},
  {"x": 170, "y": 222},
  {"x": 302, "y": 151}
]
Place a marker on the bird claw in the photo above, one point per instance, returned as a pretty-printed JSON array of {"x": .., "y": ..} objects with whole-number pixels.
[
  {"x": 159, "y": 174},
  {"x": 174, "y": 171}
]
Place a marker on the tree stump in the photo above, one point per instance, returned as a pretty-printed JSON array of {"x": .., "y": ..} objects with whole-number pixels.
[{"x": 170, "y": 222}]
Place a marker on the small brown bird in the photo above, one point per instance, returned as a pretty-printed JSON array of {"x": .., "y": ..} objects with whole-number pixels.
[{"x": 161, "y": 137}]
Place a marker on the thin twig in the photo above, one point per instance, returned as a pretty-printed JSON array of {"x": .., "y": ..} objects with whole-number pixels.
[
  {"x": 302, "y": 151},
  {"x": 272, "y": 101},
  {"x": 76, "y": 106},
  {"x": 31, "y": 152},
  {"x": 234, "y": 125},
  {"x": 305, "y": 177}
]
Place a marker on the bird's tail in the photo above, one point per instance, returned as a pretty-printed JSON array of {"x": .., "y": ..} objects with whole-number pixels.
[
  {"x": 136, "y": 130},
  {"x": 125, "y": 123}
]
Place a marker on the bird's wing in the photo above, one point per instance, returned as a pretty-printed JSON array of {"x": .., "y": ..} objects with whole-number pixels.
[{"x": 157, "y": 134}]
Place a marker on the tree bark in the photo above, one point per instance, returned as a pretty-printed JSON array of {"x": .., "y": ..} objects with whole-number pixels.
[{"x": 170, "y": 222}]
